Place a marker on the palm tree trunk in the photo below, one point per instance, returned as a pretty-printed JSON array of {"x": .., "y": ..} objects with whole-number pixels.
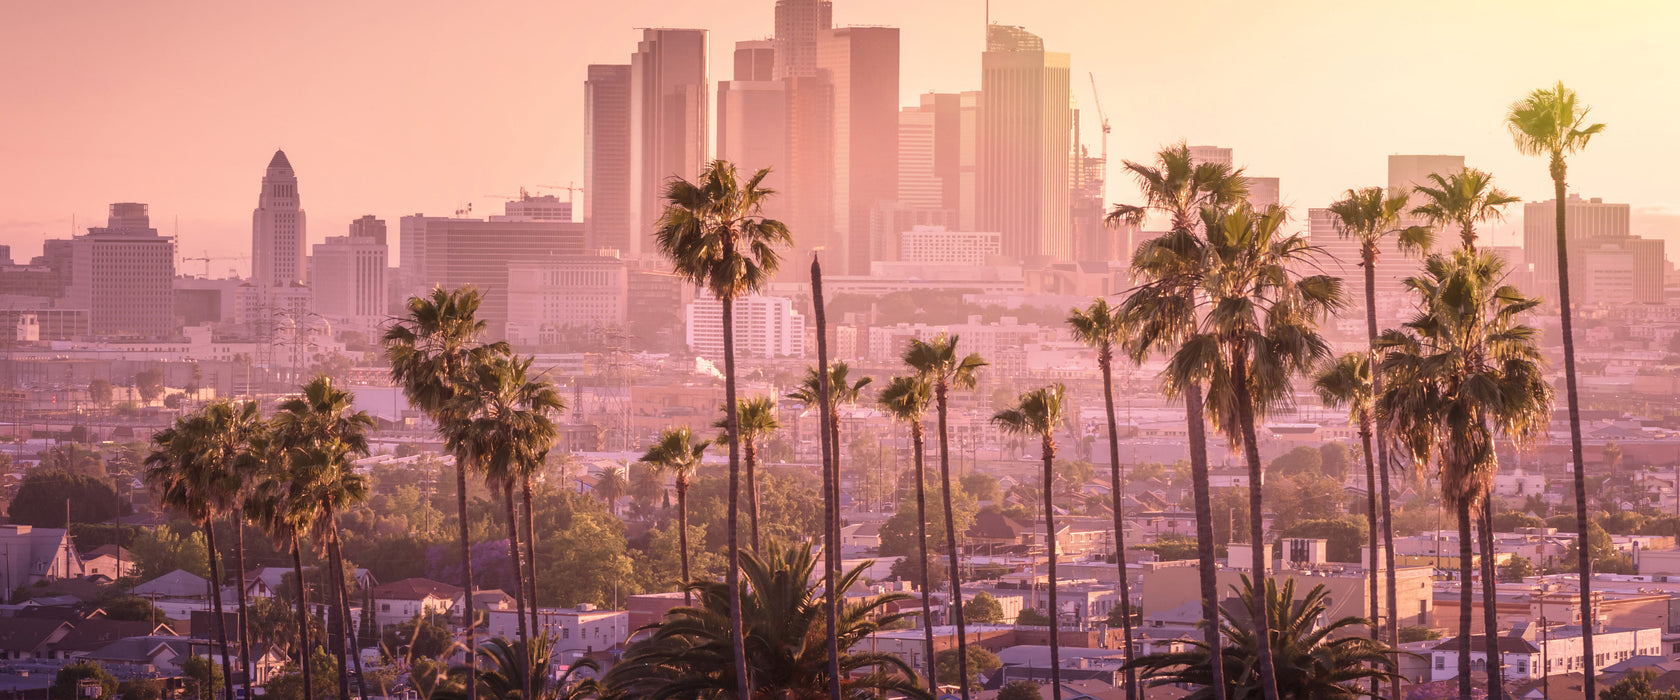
[
  {"x": 216, "y": 605},
  {"x": 335, "y": 621},
  {"x": 1117, "y": 486},
  {"x": 750, "y": 450},
  {"x": 941, "y": 391},
  {"x": 468, "y": 620},
  {"x": 743, "y": 684},
  {"x": 531, "y": 553},
  {"x": 1196, "y": 430},
  {"x": 1054, "y": 607},
  {"x": 1374, "y": 568},
  {"x": 352, "y": 646},
  {"x": 917, "y": 442},
  {"x": 682, "y": 537},
  {"x": 1256, "y": 521},
  {"x": 831, "y": 477},
  {"x": 244, "y": 619},
  {"x": 518, "y": 585},
  {"x": 1566, "y": 314},
  {"x": 1370, "y": 260},
  {"x": 1490, "y": 606},
  {"x": 306, "y": 651},
  {"x": 1466, "y": 569}
]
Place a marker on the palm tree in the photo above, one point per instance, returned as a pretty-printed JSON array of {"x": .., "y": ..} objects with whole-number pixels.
[
  {"x": 678, "y": 454},
  {"x": 190, "y": 477},
  {"x": 504, "y": 426},
  {"x": 1038, "y": 413},
  {"x": 1313, "y": 659},
  {"x": 1369, "y": 215},
  {"x": 937, "y": 363},
  {"x": 1100, "y": 327},
  {"x": 841, "y": 391},
  {"x": 689, "y": 653},
  {"x": 270, "y": 505},
  {"x": 611, "y": 483},
  {"x": 430, "y": 350},
  {"x": 1346, "y": 381},
  {"x": 1258, "y": 333},
  {"x": 715, "y": 235},
  {"x": 757, "y": 419},
  {"x": 323, "y": 433},
  {"x": 230, "y": 427},
  {"x": 1463, "y": 199},
  {"x": 1553, "y": 124},
  {"x": 1164, "y": 312},
  {"x": 1464, "y": 369},
  {"x": 906, "y": 400},
  {"x": 509, "y": 673}
]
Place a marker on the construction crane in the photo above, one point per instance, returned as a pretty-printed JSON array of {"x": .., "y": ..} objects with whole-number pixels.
[
  {"x": 571, "y": 188},
  {"x": 1103, "y": 118},
  {"x": 524, "y": 194},
  {"x": 207, "y": 257}
]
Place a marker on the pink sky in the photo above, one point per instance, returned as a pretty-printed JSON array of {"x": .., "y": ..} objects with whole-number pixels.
[{"x": 393, "y": 108}]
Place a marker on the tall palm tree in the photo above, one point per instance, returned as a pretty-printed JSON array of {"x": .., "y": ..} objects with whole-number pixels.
[
  {"x": 182, "y": 470},
  {"x": 676, "y": 453},
  {"x": 229, "y": 427},
  {"x": 1178, "y": 187},
  {"x": 1462, "y": 199},
  {"x": 907, "y": 399},
  {"x": 1463, "y": 370},
  {"x": 324, "y": 433},
  {"x": 1038, "y": 413},
  {"x": 1346, "y": 381},
  {"x": 270, "y": 505},
  {"x": 841, "y": 391},
  {"x": 1369, "y": 216},
  {"x": 690, "y": 653},
  {"x": 505, "y": 426},
  {"x": 611, "y": 483},
  {"x": 1553, "y": 124},
  {"x": 1314, "y": 659},
  {"x": 937, "y": 362},
  {"x": 1100, "y": 327},
  {"x": 757, "y": 419},
  {"x": 430, "y": 350},
  {"x": 714, "y": 233},
  {"x": 1259, "y": 332}
]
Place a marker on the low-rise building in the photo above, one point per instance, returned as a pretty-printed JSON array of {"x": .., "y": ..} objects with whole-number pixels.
[
  {"x": 1529, "y": 652},
  {"x": 575, "y": 631},
  {"x": 400, "y": 601}
]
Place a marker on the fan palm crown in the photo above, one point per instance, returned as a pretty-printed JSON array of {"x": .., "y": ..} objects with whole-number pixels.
[{"x": 1462, "y": 199}]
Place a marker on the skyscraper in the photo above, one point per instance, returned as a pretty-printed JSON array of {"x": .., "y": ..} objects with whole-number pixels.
[
  {"x": 752, "y": 117},
  {"x": 1025, "y": 136},
  {"x": 278, "y": 231},
  {"x": 368, "y": 226},
  {"x": 123, "y": 275},
  {"x": 1607, "y": 264},
  {"x": 669, "y": 101},
  {"x": 860, "y": 65},
  {"x": 798, "y": 22},
  {"x": 755, "y": 60},
  {"x": 347, "y": 276},
  {"x": 606, "y": 157}
]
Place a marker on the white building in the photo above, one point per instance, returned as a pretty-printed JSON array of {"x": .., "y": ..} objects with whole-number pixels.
[
  {"x": 347, "y": 281},
  {"x": 400, "y": 601},
  {"x": 548, "y": 297},
  {"x": 575, "y": 631},
  {"x": 764, "y": 327},
  {"x": 35, "y": 554},
  {"x": 935, "y": 245},
  {"x": 123, "y": 275},
  {"x": 1528, "y": 652}
]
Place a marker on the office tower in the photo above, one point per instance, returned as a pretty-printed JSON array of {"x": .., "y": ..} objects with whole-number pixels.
[
  {"x": 1025, "y": 129},
  {"x": 1607, "y": 264},
  {"x": 368, "y": 227},
  {"x": 919, "y": 184},
  {"x": 530, "y": 207},
  {"x": 606, "y": 157},
  {"x": 477, "y": 252},
  {"x": 809, "y": 186},
  {"x": 1211, "y": 154},
  {"x": 123, "y": 275},
  {"x": 928, "y": 137},
  {"x": 860, "y": 65},
  {"x": 1092, "y": 240},
  {"x": 278, "y": 230},
  {"x": 1584, "y": 220},
  {"x": 752, "y": 119},
  {"x": 668, "y": 115},
  {"x": 755, "y": 60},
  {"x": 798, "y": 22},
  {"x": 5, "y": 255},
  {"x": 938, "y": 246},
  {"x": 968, "y": 159},
  {"x": 552, "y": 299},
  {"x": 347, "y": 276},
  {"x": 765, "y": 327},
  {"x": 1264, "y": 192}
]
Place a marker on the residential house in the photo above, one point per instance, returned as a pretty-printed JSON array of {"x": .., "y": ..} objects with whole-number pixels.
[
  {"x": 400, "y": 601},
  {"x": 111, "y": 561},
  {"x": 35, "y": 554}
]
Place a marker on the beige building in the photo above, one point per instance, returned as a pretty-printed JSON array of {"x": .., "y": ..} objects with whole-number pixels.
[
  {"x": 1171, "y": 586},
  {"x": 123, "y": 275},
  {"x": 1023, "y": 143},
  {"x": 549, "y": 298}
]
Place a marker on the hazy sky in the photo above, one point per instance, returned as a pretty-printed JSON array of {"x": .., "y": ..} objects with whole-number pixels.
[{"x": 394, "y": 108}]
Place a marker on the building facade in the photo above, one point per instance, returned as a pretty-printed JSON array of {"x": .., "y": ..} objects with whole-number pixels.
[
  {"x": 347, "y": 278},
  {"x": 550, "y": 299},
  {"x": 669, "y": 116},
  {"x": 765, "y": 327},
  {"x": 278, "y": 228},
  {"x": 1023, "y": 146},
  {"x": 606, "y": 157},
  {"x": 123, "y": 275}
]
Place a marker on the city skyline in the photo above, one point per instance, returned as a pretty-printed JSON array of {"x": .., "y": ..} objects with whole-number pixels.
[{"x": 378, "y": 134}]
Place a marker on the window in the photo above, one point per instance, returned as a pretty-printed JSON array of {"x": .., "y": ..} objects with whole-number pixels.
[{"x": 1440, "y": 662}]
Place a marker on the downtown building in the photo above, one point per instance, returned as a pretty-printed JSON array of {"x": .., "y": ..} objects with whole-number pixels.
[
  {"x": 347, "y": 276},
  {"x": 1023, "y": 144},
  {"x": 669, "y": 120},
  {"x": 278, "y": 228},
  {"x": 860, "y": 67},
  {"x": 606, "y": 157},
  {"x": 1608, "y": 265},
  {"x": 765, "y": 327},
  {"x": 553, "y": 299},
  {"x": 122, "y": 276}
]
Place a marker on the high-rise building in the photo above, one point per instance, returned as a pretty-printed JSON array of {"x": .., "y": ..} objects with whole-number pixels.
[
  {"x": 669, "y": 105},
  {"x": 347, "y": 275},
  {"x": 278, "y": 230},
  {"x": 752, "y": 120},
  {"x": 1264, "y": 192},
  {"x": 809, "y": 183},
  {"x": 1092, "y": 240},
  {"x": 1211, "y": 154},
  {"x": 936, "y": 245},
  {"x": 550, "y": 299},
  {"x": 860, "y": 65},
  {"x": 1584, "y": 220},
  {"x": 755, "y": 60},
  {"x": 1025, "y": 136},
  {"x": 1607, "y": 264},
  {"x": 606, "y": 157},
  {"x": 470, "y": 251},
  {"x": 968, "y": 159},
  {"x": 123, "y": 275},
  {"x": 919, "y": 184},
  {"x": 798, "y": 22},
  {"x": 764, "y": 327},
  {"x": 368, "y": 226},
  {"x": 530, "y": 207}
]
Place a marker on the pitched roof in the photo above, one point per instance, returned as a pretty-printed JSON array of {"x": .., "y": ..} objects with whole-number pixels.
[
  {"x": 89, "y": 635},
  {"x": 25, "y": 634},
  {"x": 1507, "y": 645},
  {"x": 994, "y": 525},
  {"x": 279, "y": 161},
  {"x": 178, "y": 583},
  {"x": 416, "y": 589},
  {"x": 138, "y": 649},
  {"x": 109, "y": 550}
]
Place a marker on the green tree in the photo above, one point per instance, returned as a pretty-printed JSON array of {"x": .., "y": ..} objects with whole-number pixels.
[
  {"x": 677, "y": 453},
  {"x": 131, "y": 608},
  {"x": 507, "y": 669},
  {"x": 984, "y": 609},
  {"x": 202, "y": 676},
  {"x": 149, "y": 383},
  {"x": 1020, "y": 690},
  {"x": 983, "y": 487},
  {"x": 46, "y": 496},
  {"x": 1301, "y": 460},
  {"x": 158, "y": 550},
  {"x": 906, "y": 399},
  {"x": 1347, "y": 381},
  {"x": 1163, "y": 310},
  {"x": 424, "y": 637},
  {"x": 1039, "y": 413},
  {"x": 841, "y": 391},
  {"x": 67, "y": 684},
  {"x": 1343, "y": 536},
  {"x": 715, "y": 235},
  {"x": 1334, "y": 460},
  {"x": 1553, "y": 123},
  {"x": 689, "y": 653},
  {"x": 1636, "y": 685},
  {"x": 279, "y": 503},
  {"x": 980, "y": 662},
  {"x": 1032, "y": 617},
  {"x": 141, "y": 689},
  {"x": 1517, "y": 569},
  {"x": 1313, "y": 660},
  {"x": 1418, "y": 633},
  {"x": 100, "y": 392},
  {"x": 289, "y": 684}
]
